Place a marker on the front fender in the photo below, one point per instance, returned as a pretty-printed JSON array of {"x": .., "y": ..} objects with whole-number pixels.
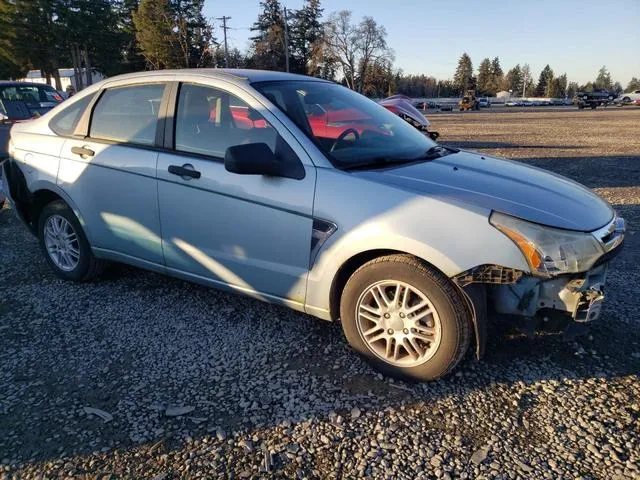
[{"x": 452, "y": 237}]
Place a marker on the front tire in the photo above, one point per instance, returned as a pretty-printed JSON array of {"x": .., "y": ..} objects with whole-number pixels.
[
  {"x": 406, "y": 319},
  {"x": 64, "y": 244}
]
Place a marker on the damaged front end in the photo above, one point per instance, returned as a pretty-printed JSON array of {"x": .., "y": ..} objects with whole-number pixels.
[{"x": 551, "y": 289}]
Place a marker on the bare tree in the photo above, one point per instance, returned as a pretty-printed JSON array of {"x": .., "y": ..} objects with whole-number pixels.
[
  {"x": 356, "y": 48},
  {"x": 371, "y": 47},
  {"x": 342, "y": 42}
]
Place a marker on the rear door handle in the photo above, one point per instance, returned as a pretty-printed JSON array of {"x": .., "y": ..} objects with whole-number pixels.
[
  {"x": 83, "y": 151},
  {"x": 185, "y": 171}
]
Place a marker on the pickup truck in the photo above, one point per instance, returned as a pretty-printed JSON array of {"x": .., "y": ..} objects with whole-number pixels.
[{"x": 593, "y": 99}]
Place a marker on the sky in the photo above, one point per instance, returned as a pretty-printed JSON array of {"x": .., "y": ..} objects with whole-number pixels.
[{"x": 575, "y": 37}]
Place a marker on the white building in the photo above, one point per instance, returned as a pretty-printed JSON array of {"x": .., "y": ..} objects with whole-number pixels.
[{"x": 67, "y": 77}]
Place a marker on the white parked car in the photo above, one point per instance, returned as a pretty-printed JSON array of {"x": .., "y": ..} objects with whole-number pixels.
[{"x": 628, "y": 98}]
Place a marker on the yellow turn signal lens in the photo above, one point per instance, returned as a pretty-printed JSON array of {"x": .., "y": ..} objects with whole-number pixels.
[{"x": 528, "y": 250}]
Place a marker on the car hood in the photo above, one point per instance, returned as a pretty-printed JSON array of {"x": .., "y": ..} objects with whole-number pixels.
[{"x": 507, "y": 186}]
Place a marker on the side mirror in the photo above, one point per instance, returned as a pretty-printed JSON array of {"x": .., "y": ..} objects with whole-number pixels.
[{"x": 258, "y": 159}]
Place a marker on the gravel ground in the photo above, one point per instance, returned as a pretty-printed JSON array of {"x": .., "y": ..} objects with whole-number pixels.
[{"x": 190, "y": 382}]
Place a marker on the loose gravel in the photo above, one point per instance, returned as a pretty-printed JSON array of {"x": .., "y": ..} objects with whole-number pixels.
[{"x": 143, "y": 376}]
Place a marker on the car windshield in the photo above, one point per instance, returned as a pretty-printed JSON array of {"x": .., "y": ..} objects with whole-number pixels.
[
  {"x": 349, "y": 128},
  {"x": 38, "y": 99}
]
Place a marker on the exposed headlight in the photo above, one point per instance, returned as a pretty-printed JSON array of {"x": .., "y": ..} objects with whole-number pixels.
[{"x": 549, "y": 251}]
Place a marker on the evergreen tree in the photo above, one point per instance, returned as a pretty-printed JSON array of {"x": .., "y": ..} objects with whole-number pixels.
[
  {"x": 132, "y": 59},
  {"x": 496, "y": 69},
  {"x": 155, "y": 35},
  {"x": 497, "y": 77},
  {"x": 194, "y": 33},
  {"x": 558, "y": 87},
  {"x": 306, "y": 32},
  {"x": 463, "y": 78},
  {"x": 603, "y": 80},
  {"x": 484, "y": 76},
  {"x": 514, "y": 80},
  {"x": 634, "y": 84},
  {"x": 546, "y": 77},
  {"x": 12, "y": 65},
  {"x": 617, "y": 88},
  {"x": 173, "y": 33},
  {"x": 268, "y": 43},
  {"x": 103, "y": 46}
]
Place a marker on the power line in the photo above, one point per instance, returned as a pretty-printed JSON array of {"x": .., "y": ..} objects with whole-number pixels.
[{"x": 225, "y": 28}]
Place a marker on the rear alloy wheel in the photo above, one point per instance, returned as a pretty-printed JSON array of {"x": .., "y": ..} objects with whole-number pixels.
[
  {"x": 62, "y": 243},
  {"x": 65, "y": 245},
  {"x": 405, "y": 318}
]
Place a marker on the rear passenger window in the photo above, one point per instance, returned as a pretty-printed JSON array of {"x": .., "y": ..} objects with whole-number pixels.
[
  {"x": 208, "y": 121},
  {"x": 64, "y": 123},
  {"x": 128, "y": 114}
]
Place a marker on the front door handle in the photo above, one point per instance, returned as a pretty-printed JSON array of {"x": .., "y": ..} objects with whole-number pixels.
[
  {"x": 83, "y": 151},
  {"x": 185, "y": 171}
]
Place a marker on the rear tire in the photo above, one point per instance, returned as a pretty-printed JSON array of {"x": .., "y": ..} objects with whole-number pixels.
[
  {"x": 418, "y": 345},
  {"x": 64, "y": 244}
]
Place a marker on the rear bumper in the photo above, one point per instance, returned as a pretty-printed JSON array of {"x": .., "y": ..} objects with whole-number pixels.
[{"x": 7, "y": 188}]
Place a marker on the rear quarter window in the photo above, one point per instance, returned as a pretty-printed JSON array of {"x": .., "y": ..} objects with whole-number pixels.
[{"x": 64, "y": 122}]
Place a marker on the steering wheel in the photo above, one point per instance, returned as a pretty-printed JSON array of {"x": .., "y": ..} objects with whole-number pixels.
[{"x": 343, "y": 135}]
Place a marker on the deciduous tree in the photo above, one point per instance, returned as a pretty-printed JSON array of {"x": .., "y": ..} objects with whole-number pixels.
[{"x": 356, "y": 48}]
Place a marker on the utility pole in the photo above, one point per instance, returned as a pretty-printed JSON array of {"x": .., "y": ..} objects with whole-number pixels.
[
  {"x": 225, "y": 28},
  {"x": 524, "y": 84},
  {"x": 286, "y": 39}
]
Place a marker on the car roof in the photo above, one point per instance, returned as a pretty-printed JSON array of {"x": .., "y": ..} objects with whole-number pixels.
[
  {"x": 233, "y": 75},
  {"x": 13, "y": 83}
]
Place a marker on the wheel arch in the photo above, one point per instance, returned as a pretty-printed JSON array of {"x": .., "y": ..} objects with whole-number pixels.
[
  {"x": 31, "y": 203},
  {"x": 474, "y": 299}
]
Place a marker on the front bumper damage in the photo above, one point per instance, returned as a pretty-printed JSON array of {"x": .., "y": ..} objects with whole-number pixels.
[{"x": 577, "y": 297}]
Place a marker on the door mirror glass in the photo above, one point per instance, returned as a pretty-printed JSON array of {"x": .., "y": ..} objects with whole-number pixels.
[{"x": 258, "y": 159}]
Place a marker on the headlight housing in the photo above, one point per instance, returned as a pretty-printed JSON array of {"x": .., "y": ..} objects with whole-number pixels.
[{"x": 549, "y": 251}]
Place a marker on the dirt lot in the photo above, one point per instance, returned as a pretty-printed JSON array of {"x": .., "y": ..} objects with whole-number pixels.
[{"x": 199, "y": 383}]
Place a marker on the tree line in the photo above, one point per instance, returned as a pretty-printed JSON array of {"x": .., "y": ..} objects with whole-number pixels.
[
  {"x": 120, "y": 36},
  {"x": 519, "y": 80}
]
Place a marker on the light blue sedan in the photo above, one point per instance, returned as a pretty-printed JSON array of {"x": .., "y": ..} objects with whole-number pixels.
[{"x": 298, "y": 191}]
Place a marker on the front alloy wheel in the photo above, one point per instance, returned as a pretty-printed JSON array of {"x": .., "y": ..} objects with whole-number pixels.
[
  {"x": 398, "y": 323},
  {"x": 405, "y": 318}
]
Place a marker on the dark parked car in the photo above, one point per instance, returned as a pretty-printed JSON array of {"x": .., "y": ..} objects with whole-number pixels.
[
  {"x": 21, "y": 101},
  {"x": 593, "y": 99},
  {"x": 427, "y": 105}
]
